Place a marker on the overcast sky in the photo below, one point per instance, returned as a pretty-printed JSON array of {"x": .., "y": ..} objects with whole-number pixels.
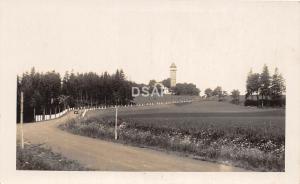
[{"x": 211, "y": 44}]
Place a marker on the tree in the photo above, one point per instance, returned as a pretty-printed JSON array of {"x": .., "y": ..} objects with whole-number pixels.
[
  {"x": 249, "y": 84},
  {"x": 152, "y": 83},
  {"x": 217, "y": 92},
  {"x": 252, "y": 84},
  {"x": 36, "y": 100},
  {"x": 264, "y": 83},
  {"x": 277, "y": 85},
  {"x": 167, "y": 82},
  {"x": 26, "y": 85},
  {"x": 208, "y": 92},
  {"x": 186, "y": 89},
  {"x": 235, "y": 94}
]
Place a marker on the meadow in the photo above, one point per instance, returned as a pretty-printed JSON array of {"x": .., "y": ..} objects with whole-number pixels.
[
  {"x": 250, "y": 138},
  {"x": 164, "y": 98}
]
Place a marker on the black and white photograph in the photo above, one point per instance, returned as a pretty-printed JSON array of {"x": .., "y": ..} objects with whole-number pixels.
[{"x": 149, "y": 91}]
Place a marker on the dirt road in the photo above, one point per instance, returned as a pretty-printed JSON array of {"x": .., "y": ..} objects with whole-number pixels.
[{"x": 107, "y": 156}]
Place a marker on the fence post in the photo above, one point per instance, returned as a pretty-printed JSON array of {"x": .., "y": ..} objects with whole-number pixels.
[
  {"x": 21, "y": 121},
  {"x": 116, "y": 124}
]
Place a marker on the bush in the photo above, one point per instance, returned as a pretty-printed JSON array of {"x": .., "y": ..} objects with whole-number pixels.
[
  {"x": 235, "y": 101},
  {"x": 250, "y": 103},
  {"x": 266, "y": 102}
]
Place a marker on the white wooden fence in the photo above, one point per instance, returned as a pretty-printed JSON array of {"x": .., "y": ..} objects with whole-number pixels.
[{"x": 54, "y": 116}]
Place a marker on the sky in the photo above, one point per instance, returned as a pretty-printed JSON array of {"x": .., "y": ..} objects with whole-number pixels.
[{"x": 211, "y": 43}]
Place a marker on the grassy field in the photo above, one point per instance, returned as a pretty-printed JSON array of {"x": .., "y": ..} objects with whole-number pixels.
[
  {"x": 217, "y": 131},
  {"x": 37, "y": 157},
  {"x": 164, "y": 98}
]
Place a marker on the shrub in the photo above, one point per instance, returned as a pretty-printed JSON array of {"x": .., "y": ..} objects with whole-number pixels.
[
  {"x": 266, "y": 102},
  {"x": 251, "y": 103}
]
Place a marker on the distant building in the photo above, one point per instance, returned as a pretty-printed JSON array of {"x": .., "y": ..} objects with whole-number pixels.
[{"x": 173, "y": 70}]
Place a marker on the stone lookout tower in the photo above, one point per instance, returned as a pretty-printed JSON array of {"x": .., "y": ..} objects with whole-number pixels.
[{"x": 173, "y": 70}]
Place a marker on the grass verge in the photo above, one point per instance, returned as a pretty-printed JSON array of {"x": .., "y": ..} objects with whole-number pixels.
[{"x": 37, "y": 157}]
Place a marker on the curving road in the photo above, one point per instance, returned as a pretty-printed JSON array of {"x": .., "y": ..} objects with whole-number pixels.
[{"x": 107, "y": 156}]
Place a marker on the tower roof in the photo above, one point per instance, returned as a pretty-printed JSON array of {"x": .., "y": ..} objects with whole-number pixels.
[{"x": 173, "y": 65}]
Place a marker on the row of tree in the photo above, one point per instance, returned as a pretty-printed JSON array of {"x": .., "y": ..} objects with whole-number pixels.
[
  {"x": 218, "y": 92},
  {"x": 265, "y": 87},
  {"x": 221, "y": 94},
  {"x": 48, "y": 93},
  {"x": 268, "y": 90}
]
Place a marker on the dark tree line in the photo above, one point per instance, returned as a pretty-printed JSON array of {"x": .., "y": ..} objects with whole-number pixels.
[
  {"x": 269, "y": 90},
  {"x": 48, "y": 93}
]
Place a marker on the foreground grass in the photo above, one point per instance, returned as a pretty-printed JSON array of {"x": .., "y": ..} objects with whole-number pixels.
[{"x": 36, "y": 157}]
